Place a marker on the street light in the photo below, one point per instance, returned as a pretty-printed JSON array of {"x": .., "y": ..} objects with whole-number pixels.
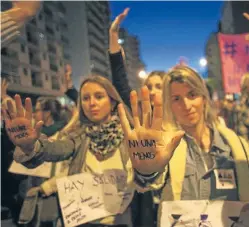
[
  {"x": 120, "y": 41},
  {"x": 203, "y": 62},
  {"x": 142, "y": 74}
]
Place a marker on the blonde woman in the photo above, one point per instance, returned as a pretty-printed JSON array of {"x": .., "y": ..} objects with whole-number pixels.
[
  {"x": 96, "y": 144},
  {"x": 206, "y": 148}
]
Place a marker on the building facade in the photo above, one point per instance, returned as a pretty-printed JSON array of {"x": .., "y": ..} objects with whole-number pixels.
[
  {"x": 214, "y": 63},
  {"x": 34, "y": 63},
  {"x": 232, "y": 20},
  {"x": 133, "y": 60},
  {"x": 89, "y": 23}
]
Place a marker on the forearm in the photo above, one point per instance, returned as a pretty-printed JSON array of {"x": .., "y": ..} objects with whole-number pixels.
[
  {"x": 114, "y": 46},
  {"x": 119, "y": 77},
  {"x": 45, "y": 150},
  {"x": 10, "y": 29}
]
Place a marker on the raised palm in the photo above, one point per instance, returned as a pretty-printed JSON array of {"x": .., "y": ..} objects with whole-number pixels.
[
  {"x": 149, "y": 146},
  {"x": 29, "y": 7},
  {"x": 19, "y": 124},
  {"x": 246, "y": 15},
  {"x": 118, "y": 20}
]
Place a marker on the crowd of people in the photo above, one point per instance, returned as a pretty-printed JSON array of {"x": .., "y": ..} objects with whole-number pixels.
[{"x": 193, "y": 139}]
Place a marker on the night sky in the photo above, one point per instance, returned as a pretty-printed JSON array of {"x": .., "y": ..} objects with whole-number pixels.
[{"x": 169, "y": 30}]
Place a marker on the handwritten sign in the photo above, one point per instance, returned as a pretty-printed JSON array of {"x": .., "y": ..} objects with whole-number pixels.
[
  {"x": 85, "y": 197},
  {"x": 205, "y": 213}
]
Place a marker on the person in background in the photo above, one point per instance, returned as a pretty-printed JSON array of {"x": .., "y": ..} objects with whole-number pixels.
[
  {"x": 9, "y": 204},
  {"x": 188, "y": 165},
  {"x": 96, "y": 115},
  {"x": 117, "y": 60},
  {"x": 49, "y": 111},
  {"x": 143, "y": 206},
  {"x": 242, "y": 109},
  {"x": 12, "y": 20}
]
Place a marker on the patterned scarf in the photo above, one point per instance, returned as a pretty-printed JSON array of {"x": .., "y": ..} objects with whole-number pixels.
[{"x": 105, "y": 138}]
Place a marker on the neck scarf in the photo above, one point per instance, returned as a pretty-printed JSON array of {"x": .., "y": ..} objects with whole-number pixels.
[{"x": 105, "y": 138}]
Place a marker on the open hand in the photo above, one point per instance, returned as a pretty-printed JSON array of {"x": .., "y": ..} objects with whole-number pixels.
[
  {"x": 28, "y": 7},
  {"x": 19, "y": 124},
  {"x": 118, "y": 20},
  {"x": 150, "y": 148}
]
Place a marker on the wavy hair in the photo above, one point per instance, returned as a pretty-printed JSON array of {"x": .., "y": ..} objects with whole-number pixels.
[{"x": 185, "y": 74}]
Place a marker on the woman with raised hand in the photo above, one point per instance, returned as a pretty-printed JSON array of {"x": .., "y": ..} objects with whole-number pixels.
[
  {"x": 207, "y": 149},
  {"x": 95, "y": 145},
  {"x": 117, "y": 60}
]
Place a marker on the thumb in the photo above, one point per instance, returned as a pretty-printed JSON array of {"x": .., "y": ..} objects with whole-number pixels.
[
  {"x": 38, "y": 128},
  {"x": 176, "y": 139}
]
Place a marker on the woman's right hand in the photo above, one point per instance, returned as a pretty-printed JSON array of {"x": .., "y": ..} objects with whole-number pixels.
[
  {"x": 149, "y": 146},
  {"x": 19, "y": 124}
]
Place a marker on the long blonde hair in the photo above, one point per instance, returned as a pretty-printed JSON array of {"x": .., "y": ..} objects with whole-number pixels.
[
  {"x": 79, "y": 117},
  {"x": 192, "y": 78}
]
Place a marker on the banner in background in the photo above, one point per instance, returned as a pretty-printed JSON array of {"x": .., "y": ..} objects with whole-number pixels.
[{"x": 234, "y": 52}]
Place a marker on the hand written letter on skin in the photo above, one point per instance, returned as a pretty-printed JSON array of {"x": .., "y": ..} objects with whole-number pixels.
[
  {"x": 20, "y": 129},
  {"x": 143, "y": 143}
]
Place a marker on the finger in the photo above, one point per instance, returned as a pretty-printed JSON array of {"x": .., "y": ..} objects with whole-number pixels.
[
  {"x": 157, "y": 113},
  {"x": 118, "y": 20},
  {"x": 126, "y": 11},
  {"x": 246, "y": 15},
  {"x": 146, "y": 107},
  {"x": 28, "y": 109},
  {"x": 134, "y": 108},
  {"x": 10, "y": 109},
  {"x": 124, "y": 121},
  {"x": 19, "y": 107},
  {"x": 122, "y": 16},
  {"x": 5, "y": 116},
  {"x": 38, "y": 127},
  {"x": 4, "y": 82}
]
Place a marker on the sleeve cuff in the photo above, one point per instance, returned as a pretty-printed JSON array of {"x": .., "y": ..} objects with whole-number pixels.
[
  {"x": 20, "y": 157},
  {"x": 145, "y": 180},
  {"x": 116, "y": 54}
]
